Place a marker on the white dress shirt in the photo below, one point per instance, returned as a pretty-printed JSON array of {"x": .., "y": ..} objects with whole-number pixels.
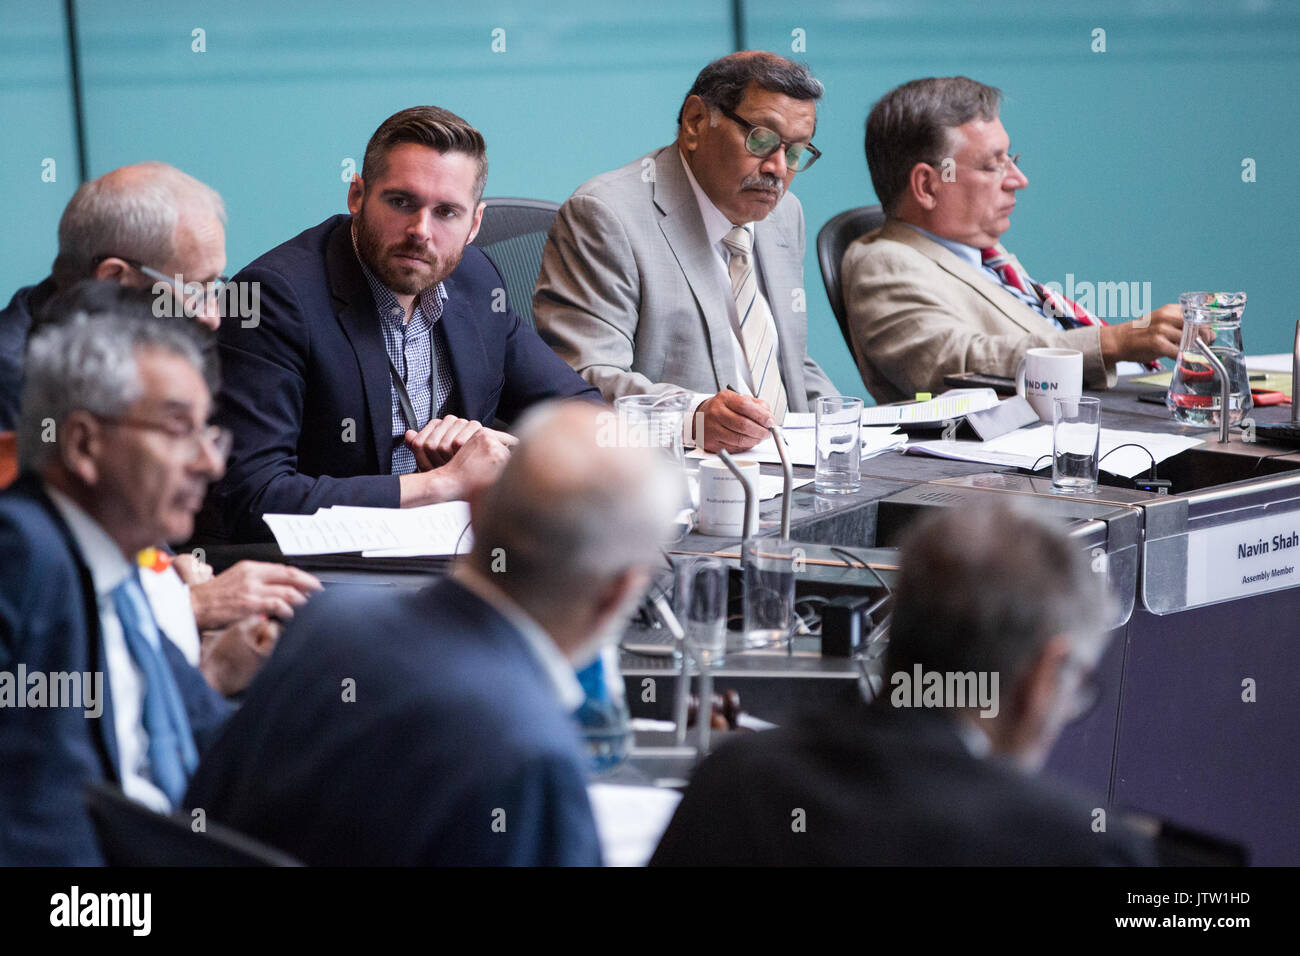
[
  {"x": 716, "y": 227},
  {"x": 108, "y": 569}
]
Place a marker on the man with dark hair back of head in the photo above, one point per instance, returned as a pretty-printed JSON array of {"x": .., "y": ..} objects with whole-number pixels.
[
  {"x": 998, "y": 623},
  {"x": 383, "y": 348},
  {"x": 146, "y": 226},
  {"x": 433, "y": 727},
  {"x": 116, "y": 451},
  {"x": 932, "y": 292},
  {"x": 684, "y": 268}
]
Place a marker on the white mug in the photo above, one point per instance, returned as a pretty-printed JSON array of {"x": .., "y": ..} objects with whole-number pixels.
[
  {"x": 1045, "y": 374},
  {"x": 722, "y": 498}
]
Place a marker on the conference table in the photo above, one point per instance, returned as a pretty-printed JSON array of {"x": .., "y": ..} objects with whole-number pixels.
[{"x": 1198, "y": 714}]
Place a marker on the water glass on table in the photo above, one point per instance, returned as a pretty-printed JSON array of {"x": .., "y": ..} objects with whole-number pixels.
[
  {"x": 1076, "y": 440},
  {"x": 769, "y": 568},
  {"x": 701, "y": 607},
  {"x": 839, "y": 445}
]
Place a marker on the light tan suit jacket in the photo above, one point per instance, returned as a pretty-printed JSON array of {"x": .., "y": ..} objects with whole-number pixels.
[{"x": 918, "y": 312}]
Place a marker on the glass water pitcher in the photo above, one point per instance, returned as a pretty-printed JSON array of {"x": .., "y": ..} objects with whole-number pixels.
[{"x": 1194, "y": 392}]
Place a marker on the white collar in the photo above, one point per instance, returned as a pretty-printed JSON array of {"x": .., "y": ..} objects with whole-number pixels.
[
  {"x": 558, "y": 668},
  {"x": 716, "y": 225},
  {"x": 108, "y": 567}
]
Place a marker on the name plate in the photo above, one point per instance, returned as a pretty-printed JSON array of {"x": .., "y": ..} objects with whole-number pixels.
[{"x": 1244, "y": 558}]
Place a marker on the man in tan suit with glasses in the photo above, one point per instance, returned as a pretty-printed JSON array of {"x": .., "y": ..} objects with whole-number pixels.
[{"x": 932, "y": 292}]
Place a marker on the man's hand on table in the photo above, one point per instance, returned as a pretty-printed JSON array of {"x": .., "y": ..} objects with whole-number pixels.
[
  {"x": 437, "y": 443},
  {"x": 250, "y": 587},
  {"x": 1154, "y": 336},
  {"x": 230, "y": 658},
  {"x": 476, "y": 464},
  {"x": 731, "y": 421}
]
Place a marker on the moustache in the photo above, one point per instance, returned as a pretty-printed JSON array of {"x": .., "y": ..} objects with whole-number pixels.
[
  {"x": 765, "y": 181},
  {"x": 415, "y": 252}
]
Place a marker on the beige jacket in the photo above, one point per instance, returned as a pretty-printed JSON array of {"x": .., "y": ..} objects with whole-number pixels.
[{"x": 918, "y": 312}]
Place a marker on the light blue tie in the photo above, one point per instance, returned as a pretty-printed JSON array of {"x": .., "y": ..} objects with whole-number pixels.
[{"x": 172, "y": 754}]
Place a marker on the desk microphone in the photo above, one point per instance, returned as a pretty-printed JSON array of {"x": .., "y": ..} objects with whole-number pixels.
[
  {"x": 751, "y": 495},
  {"x": 681, "y": 700},
  {"x": 778, "y": 437}
]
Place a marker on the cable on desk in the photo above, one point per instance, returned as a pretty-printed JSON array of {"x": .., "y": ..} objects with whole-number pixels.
[
  {"x": 862, "y": 565},
  {"x": 1151, "y": 472},
  {"x": 1128, "y": 444},
  {"x": 1276, "y": 454}
]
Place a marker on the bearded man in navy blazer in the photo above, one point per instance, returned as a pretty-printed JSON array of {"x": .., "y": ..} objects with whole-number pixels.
[{"x": 381, "y": 345}]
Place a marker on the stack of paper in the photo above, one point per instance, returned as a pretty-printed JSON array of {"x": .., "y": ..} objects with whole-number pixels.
[
  {"x": 801, "y": 442},
  {"x": 1032, "y": 448},
  {"x": 441, "y": 529},
  {"x": 952, "y": 404}
]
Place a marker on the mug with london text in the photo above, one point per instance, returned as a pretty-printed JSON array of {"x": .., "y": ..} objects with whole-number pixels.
[{"x": 1047, "y": 374}]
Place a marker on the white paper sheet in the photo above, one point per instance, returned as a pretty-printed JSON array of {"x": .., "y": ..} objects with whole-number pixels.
[
  {"x": 801, "y": 444},
  {"x": 630, "y": 820},
  {"x": 428, "y": 530},
  {"x": 1269, "y": 363},
  {"x": 953, "y": 403},
  {"x": 1025, "y": 446}
]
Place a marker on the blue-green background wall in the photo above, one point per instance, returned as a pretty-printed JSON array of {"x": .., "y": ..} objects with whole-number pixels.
[{"x": 1134, "y": 154}]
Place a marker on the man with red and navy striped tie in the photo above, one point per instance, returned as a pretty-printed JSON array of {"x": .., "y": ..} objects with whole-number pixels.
[{"x": 933, "y": 292}]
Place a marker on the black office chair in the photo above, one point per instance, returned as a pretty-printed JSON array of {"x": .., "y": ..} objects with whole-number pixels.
[
  {"x": 513, "y": 234},
  {"x": 130, "y": 834},
  {"x": 832, "y": 240}
]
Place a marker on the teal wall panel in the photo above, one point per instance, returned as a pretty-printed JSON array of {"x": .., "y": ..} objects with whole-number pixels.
[
  {"x": 281, "y": 98},
  {"x": 35, "y": 125},
  {"x": 1134, "y": 155}
]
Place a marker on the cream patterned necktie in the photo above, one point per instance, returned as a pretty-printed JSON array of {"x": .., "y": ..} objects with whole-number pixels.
[{"x": 757, "y": 327}]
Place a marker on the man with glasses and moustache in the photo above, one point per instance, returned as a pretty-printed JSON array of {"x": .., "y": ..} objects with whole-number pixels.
[{"x": 684, "y": 268}]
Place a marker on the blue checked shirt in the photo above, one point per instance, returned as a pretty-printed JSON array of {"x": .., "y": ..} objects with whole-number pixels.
[{"x": 418, "y": 351}]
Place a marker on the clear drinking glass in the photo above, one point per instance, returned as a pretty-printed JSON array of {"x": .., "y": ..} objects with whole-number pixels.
[
  {"x": 1193, "y": 396},
  {"x": 701, "y": 607},
  {"x": 655, "y": 421},
  {"x": 839, "y": 445},
  {"x": 769, "y": 570},
  {"x": 1076, "y": 440}
]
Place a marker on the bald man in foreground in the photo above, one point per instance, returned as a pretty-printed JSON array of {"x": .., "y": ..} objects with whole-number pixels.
[{"x": 433, "y": 728}]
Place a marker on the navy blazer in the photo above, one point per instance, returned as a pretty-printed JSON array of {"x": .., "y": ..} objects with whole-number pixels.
[
  {"x": 49, "y": 622},
  {"x": 409, "y": 728},
  {"x": 306, "y": 386},
  {"x": 15, "y": 325}
]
